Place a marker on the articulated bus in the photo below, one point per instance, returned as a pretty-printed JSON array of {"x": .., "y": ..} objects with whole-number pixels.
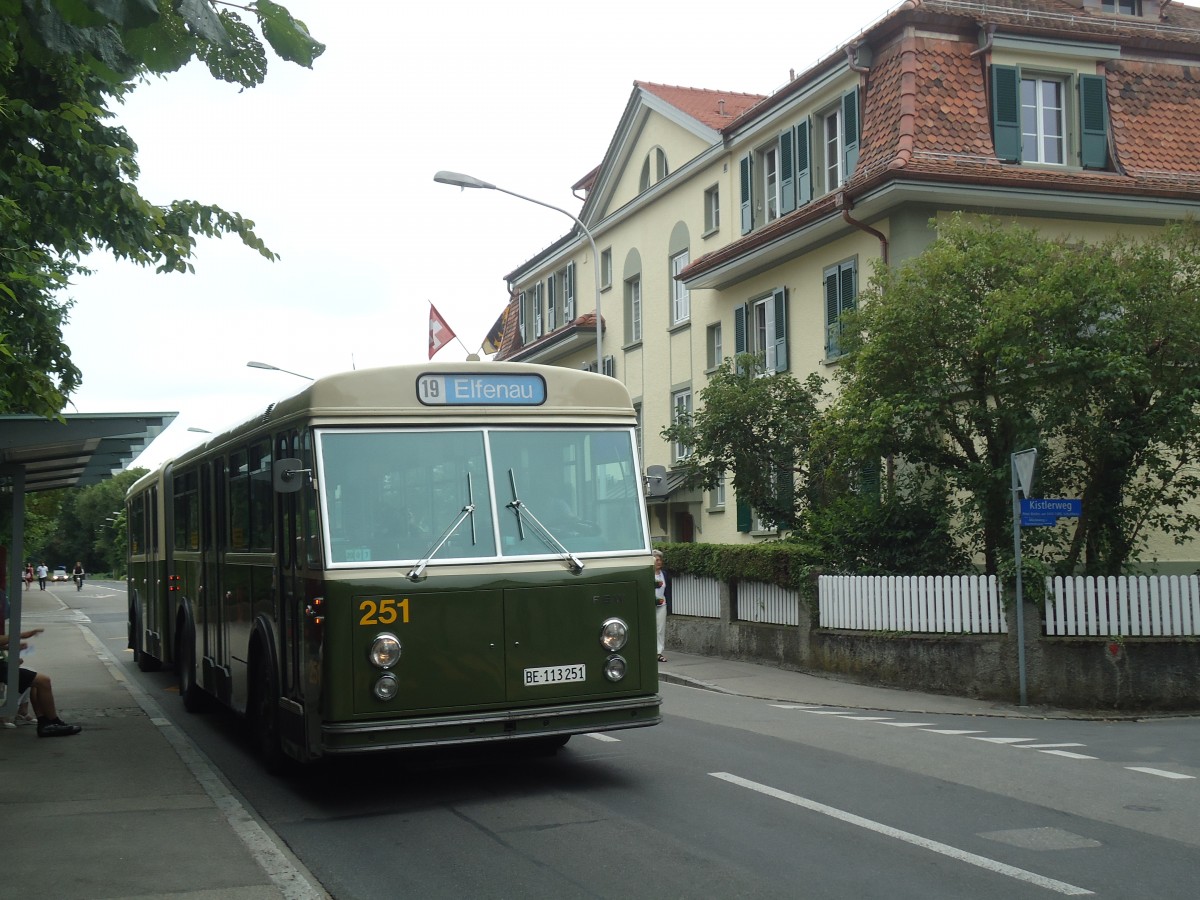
[{"x": 407, "y": 556}]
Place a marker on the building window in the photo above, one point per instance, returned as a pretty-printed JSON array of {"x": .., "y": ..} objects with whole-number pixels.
[
  {"x": 1124, "y": 7},
  {"x": 609, "y": 364},
  {"x": 654, "y": 169},
  {"x": 681, "y": 302},
  {"x": 567, "y": 277},
  {"x": 833, "y": 150},
  {"x": 1043, "y": 121},
  {"x": 760, "y": 327},
  {"x": 681, "y": 412},
  {"x": 553, "y": 292},
  {"x": 633, "y": 310},
  {"x": 1030, "y": 121},
  {"x": 712, "y": 209},
  {"x": 606, "y": 268},
  {"x": 713, "y": 342},
  {"x": 841, "y": 289},
  {"x": 768, "y": 165},
  {"x": 538, "y": 305},
  {"x": 523, "y": 316},
  {"x": 716, "y": 498},
  {"x": 637, "y": 432}
]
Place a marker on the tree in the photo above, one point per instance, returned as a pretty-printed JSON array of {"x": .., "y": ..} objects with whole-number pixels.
[
  {"x": 997, "y": 338},
  {"x": 68, "y": 176},
  {"x": 757, "y": 427}
]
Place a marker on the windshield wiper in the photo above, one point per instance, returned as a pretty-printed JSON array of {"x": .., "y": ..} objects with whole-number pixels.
[
  {"x": 517, "y": 506},
  {"x": 465, "y": 512}
]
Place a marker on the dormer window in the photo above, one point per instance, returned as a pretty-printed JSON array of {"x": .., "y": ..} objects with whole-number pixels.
[{"x": 1123, "y": 7}]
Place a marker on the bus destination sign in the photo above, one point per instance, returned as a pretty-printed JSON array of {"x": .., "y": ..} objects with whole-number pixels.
[{"x": 469, "y": 389}]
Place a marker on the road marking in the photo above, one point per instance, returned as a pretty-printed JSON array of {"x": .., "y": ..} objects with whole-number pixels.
[
  {"x": 1048, "y": 746},
  {"x": 909, "y": 724},
  {"x": 867, "y": 718},
  {"x": 1160, "y": 773},
  {"x": 1067, "y": 753},
  {"x": 952, "y": 731},
  {"x": 829, "y": 712},
  {"x": 792, "y": 706},
  {"x": 597, "y": 736},
  {"x": 1002, "y": 740},
  {"x": 973, "y": 859}
]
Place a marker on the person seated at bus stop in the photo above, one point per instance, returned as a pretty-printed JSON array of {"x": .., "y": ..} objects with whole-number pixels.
[{"x": 41, "y": 693}]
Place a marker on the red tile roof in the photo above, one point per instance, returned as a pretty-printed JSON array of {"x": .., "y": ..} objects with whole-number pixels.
[{"x": 716, "y": 109}]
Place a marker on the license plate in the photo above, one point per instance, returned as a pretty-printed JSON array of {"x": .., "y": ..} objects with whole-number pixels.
[{"x": 555, "y": 675}]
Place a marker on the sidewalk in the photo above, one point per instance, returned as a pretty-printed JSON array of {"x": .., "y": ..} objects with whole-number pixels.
[{"x": 129, "y": 808}]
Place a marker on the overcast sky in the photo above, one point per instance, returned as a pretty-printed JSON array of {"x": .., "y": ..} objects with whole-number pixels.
[{"x": 335, "y": 166}]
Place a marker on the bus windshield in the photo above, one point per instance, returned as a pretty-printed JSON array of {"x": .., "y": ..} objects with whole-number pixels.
[{"x": 390, "y": 494}]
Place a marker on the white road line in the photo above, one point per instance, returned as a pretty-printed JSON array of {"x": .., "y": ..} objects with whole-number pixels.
[
  {"x": 1067, "y": 753},
  {"x": 1160, "y": 772},
  {"x": 792, "y": 706},
  {"x": 1048, "y": 746},
  {"x": 867, "y": 718},
  {"x": 909, "y": 724},
  {"x": 829, "y": 712},
  {"x": 952, "y": 731},
  {"x": 598, "y": 736},
  {"x": 973, "y": 859},
  {"x": 1002, "y": 740}
]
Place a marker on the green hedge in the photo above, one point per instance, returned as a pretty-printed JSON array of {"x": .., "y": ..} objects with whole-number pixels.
[{"x": 786, "y": 564}]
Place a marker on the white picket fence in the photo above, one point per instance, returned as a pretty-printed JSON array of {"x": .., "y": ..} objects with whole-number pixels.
[
  {"x": 941, "y": 604},
  {"x": 767, "y": 603},
  {"x": 692, "y": 596},
  {"x": 1145, "y": 605}
]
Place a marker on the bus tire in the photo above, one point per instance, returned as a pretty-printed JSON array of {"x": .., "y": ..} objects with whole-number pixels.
[
  {"x": 547, "y": 746},
  {"x": 185, "y": 668},
  {"x": 264, "y": 716}
]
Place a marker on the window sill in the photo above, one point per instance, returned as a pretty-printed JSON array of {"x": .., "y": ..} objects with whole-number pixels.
[
  {"x": 712, "y": 232},
  {"x": 635, "y": 345},
  {"x": 680, "y": 326}
]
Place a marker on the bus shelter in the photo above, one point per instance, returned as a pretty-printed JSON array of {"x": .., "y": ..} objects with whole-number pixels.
[{"x": 38, "y": 454}]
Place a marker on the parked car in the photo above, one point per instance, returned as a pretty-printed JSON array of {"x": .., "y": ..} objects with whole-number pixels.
[{"x": 59, "y": 574}]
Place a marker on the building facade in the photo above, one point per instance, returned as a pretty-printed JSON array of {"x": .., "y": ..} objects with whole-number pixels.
[{"x": 728, "y": 222}]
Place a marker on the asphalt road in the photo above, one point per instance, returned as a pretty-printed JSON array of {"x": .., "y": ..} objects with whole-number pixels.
[{"x": 738, "y": 797}]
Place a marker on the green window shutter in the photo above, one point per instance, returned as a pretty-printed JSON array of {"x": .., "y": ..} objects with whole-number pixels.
[
  {"x": 781, "y": 353},
  {"x": 569, "y": 296},
  {"x": 832, "y": 310},
  {"x": 787, "y": 173},
  {"x": 868, "y": 481},
  {"x": 850, "y": 127},
  {"x": 1093, "y": 122},
  {"x": 521, "y": 316},
  {"x": 1006, "y": 112},
  {"x": 803, "y": 164},
  {"x": 747, "y": 195},
  {"x": 740, "y": 314},
  {"x": 551, "y": 306},
  {"x": 847, "y": 290},
  {"x": 744, "y": 517}
]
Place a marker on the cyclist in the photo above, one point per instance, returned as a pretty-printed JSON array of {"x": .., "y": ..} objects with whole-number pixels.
[{"x": 77, "y": 575}]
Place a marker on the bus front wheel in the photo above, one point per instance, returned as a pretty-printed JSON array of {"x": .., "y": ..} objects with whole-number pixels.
[
  {"x": 185, "y": 670},
  {"x": 264, "y": 717}
]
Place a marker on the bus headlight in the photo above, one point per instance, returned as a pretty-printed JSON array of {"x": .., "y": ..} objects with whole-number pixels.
[
  {"x": 614, "y": 668},
  {"x": 613, "y": 634},
  {"x": 385, "y": 651},
  {"x": 387, "y": 686}
]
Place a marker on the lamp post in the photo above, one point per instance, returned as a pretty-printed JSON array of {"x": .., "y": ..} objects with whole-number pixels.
[
  {"x": 467, "y": 181},
  {"x": 262, "y": 365}
]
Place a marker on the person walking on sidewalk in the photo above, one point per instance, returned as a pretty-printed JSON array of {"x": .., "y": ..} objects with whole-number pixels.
[
  {"x": 28, "y": 576},
  {"x": 43, "y": 572},
  {"x": 660, "y": 603},
  {"x": 41, "y": 693}
]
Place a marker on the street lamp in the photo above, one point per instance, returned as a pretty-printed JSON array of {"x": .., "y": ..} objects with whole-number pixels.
[
  {"x": 467, "y": 181},
  {"x": 262, "y": 365}
]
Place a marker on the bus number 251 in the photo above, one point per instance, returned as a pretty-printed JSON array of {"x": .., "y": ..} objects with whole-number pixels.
[{"x": 383, "y": 612}]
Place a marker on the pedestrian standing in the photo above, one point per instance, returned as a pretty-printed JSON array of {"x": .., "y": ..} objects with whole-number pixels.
[
  {"x": 43, "y": 572},
  {"x": 28, "y": 578},
  {"x": 660, "y": 603}
]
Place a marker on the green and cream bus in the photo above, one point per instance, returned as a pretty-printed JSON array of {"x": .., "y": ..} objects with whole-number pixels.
[{"x": 407, "y": 556}]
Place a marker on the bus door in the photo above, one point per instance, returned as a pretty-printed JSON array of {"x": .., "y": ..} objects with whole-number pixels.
[
  {"x": 156, "y": 586},
  {"x": 215, "y": 654},
  {"x": 291, "y": 593}
]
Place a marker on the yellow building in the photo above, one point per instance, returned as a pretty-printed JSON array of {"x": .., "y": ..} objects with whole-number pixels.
[{"x": 729, "y": 222}]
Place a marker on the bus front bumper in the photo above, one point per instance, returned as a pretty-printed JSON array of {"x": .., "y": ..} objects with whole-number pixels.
[{"x": 507, "y": 725}]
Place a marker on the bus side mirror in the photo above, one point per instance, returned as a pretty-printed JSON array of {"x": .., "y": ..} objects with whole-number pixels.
[{"x": 285, "y": 475}]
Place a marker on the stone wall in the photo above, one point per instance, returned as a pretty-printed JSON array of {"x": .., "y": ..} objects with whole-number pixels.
[{"x": 1129, "y": 674}]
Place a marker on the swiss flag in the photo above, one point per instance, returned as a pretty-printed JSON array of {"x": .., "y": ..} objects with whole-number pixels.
[{"x": 440, "y": 334}]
